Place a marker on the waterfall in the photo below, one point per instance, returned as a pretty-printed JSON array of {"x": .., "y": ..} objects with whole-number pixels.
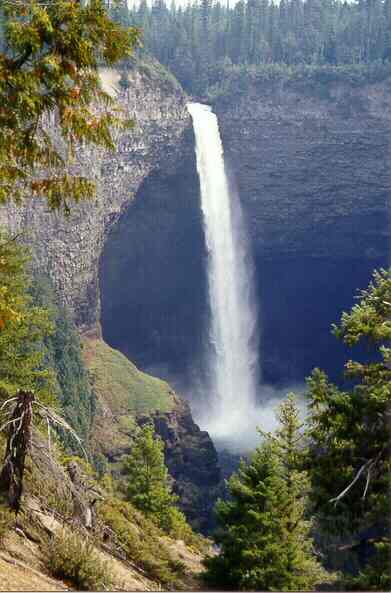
[{"x": 232, "y": 355}]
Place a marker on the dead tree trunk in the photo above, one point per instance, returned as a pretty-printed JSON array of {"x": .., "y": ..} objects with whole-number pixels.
[{"x": 18, "y": 445}]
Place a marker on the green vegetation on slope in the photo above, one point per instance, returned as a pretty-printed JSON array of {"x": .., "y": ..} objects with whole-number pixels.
[
  {"x": 122, "y": 548},
  {"x": 155, "y": 72},
  {"x": 314, "y": 80},
  {"x": 120, "y": 385},
  {"x": 144, "y": 543},
  {"x": 72, "y": 557},
  {"x": 63, "y": 354},
  {"x": 22, "y": 337},
  {"x": 122, "y": 393}
]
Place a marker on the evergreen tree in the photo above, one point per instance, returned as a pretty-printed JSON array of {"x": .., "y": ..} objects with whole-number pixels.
[
  {"x": 49, "y": 65},
  {"x": 204, "y": 40},
  {"x": 22, "y": 336},
  {"x": 265, "y": 536},
  {"x": 63, "y": 354},
  {"x": 148, "y": 481},
  {"x": 350, "y": 433}
]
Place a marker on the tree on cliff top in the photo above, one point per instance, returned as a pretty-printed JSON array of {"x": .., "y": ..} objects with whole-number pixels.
[
  {"x": 264, "y": 535},
  {"x": 49, "y": 57}
]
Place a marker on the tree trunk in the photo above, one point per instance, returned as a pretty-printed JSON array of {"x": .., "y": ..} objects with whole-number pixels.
[{"x": 18, "y": 444}]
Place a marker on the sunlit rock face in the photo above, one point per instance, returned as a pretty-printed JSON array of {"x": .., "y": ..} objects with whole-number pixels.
[
  {"x": 69, "y": 248},
  {"x": 313, "y": 174}
]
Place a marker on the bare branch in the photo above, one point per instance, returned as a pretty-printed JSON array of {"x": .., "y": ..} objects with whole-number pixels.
[
  {"x": 7, "y": 401},
  {"x": 360, "y": 471},
  {"x": 367, "y": 482},
  {"x": 52, "y": 417},
  {"x": 10, "y": 422}
]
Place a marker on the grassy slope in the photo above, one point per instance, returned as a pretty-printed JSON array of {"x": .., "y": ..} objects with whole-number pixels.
[
  {"x": 122, "y": 392},
  {"x": 121, "y": 385}
]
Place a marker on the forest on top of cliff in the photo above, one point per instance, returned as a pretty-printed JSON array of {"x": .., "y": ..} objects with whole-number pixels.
[{"x": 201, "y": 40}]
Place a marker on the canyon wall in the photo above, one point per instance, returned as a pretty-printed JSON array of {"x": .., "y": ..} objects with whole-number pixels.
[
  {"x": 311, "y": 162},
  {"x": 311, "y": 159},
  {"x": 69, "y": 248}
]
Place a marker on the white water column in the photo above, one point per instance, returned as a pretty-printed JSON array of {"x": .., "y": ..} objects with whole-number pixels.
[{"x": 232, "y": 356}]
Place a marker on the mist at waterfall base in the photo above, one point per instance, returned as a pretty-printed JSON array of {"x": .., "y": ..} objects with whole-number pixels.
[
  {"x": 230, "y": 412},
  {"x": 264, "y": 416}
]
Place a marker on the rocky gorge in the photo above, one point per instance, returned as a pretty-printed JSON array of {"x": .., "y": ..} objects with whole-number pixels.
[
  {"x": 299, "y": 152},
  {"x": 131, "y": 264}
]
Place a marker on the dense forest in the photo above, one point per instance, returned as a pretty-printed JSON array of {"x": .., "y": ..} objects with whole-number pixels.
[{"x": 200, "y": 39}]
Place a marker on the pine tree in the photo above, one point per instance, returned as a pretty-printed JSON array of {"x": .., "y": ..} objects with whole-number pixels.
[
  {"x": 148, "y": 481},
  {"x": 22, "y": 335},
  {"x": 63, "y": 354},
  {"x": 49, "y": 63},
  {"x": 265, "y": 535},
  {"x": 349, "y": 429}
]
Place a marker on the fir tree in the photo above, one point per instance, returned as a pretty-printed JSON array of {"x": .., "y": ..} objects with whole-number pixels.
[
  {"x": 63, "y": 354},
  {"x": 49, "y": 65},
  {"x": 148, "y": 481},
  {"x": 22, "y": 335},
  {"x": 350, "y": 433},
  {"x": 199, "y": 41},
  {"x": 265, "y": 535}
]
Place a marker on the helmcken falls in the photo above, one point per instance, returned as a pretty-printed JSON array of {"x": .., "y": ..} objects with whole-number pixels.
[{"x": 232, "y": 355}]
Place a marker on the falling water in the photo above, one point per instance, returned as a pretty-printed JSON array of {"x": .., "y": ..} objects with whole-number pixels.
[{"x": 233, "y": 325}]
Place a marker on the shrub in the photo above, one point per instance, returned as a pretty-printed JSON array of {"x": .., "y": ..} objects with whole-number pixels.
[
  {"x": 376, "y": 574},
  {"x": 72, "y": 558},
  {"x": 142, "y": 542},
  {"x": 180, "y": 529}
]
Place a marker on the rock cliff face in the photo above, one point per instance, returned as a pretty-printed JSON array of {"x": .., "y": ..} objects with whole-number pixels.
[
  {"x": 69, "y": 248},
  {"x": 312, "y": 165},
  {"x": 191, "y": 460},
  {"x": 311, "y": 162}
]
